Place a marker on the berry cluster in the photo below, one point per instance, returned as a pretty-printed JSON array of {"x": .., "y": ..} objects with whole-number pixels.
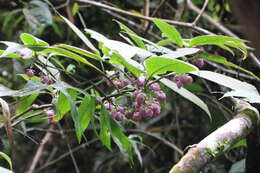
[
  {"x": 182, "y": 79},
  {"x": 143, "y": 102},
  {"x": 44, "y": 79}
]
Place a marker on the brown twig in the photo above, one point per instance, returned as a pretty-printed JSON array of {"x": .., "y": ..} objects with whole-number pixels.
[
  {"x": 201, "y": 12},
  {"x": 164, "y": 141},
  {"x": 39, "y": 151},
  {"x": 220, "y": 27},
  {"x": 66, "y": 154},
  {"x": 118, "y": 10}
]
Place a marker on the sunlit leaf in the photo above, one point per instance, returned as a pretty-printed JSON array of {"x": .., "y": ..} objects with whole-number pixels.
[
  {"x": 169, "y": 31},
  {"x": 159, "y": 65},
  {"x": 7, "y": 158},
  {"x": 186, "y": 94}
]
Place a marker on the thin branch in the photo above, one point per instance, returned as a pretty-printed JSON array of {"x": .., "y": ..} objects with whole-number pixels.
[
  {"x": 220, "y": 27},
  {"x": 66, "y": 154},
  {"x": 201, "y": 12},
  {"x": 39, "y": 151},
  {"x": 118, "y": 10},
  {"x": 164, "y": 141}
]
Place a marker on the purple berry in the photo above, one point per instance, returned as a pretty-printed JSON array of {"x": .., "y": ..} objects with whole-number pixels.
[
  {"x": 125, "y": 82},
  {"x": 155, "y": 87},
  {"x": 149, "y": 113},
  {"x": 179, "y": 84},
  {"x": 136, "y": 92},
  {"x": 30, "y": 73},
  {"x": 108, "y": 83},
  {"x": 176, "y": 78},
  {"x": 46, "y": 80},
  {"x": 50, "y": 113},
  {"x": 22, "y": 54},
  {"x": 114, "y": 113},
  {"x": 188, "y": 79},
  {"x": 136, "y": 117},
  {"x": 140, "y": 98},
  {"x": 136, "y": 105},
  {"x": 199, "y": 62},
  {"x": 140, "y": 81},
  {"x": 156, "y": 108},
  {"x": 119, "y": 116},
  {"x": 142, "y": 111},
  {"x": 108, "y": 106},
  {"x": 121, "y": 110},
  {"x": 160, "y": 95},
  {"x": 129, "y": 114}
]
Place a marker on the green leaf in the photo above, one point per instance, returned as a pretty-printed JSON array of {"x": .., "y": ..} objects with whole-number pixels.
[
  {"x": 79, "y": 51},
  {"x": 75, "y": 8},
  {"x": 159, "y": 65},
  {"x": 86, "y": 112},
  {"x": 125, "y": 50},
  {"x": 11, "y": 55},
  {"x": 133, "y": 66},
  {"x": 164, "y": 42},
  {"x": 246, "y": 95},
  {"x": 226, "y": 81},
  {"x": 30, "y": 40},
  {"x": 169, "y": 31},
  {"x": 7, "y": 158},
  {"x": 69, "y": 54},
  {"x": 80, "y": 34},
  {"x": 105, "y": 135},
  {"x": 214, "y": 40},
  {"x": 122, "y": 141},
  {"x": 222, "y": 60},
  {"x": 63, "y": 104},
  {"x": 132, "y": 34},
  {"x": 26, "y": 102},
  {"x": 11, "y": 49},
  {"x": 223, "y": 42},
  {"x": 186, "y": 94},
  {"x": 180, "y": 53}
]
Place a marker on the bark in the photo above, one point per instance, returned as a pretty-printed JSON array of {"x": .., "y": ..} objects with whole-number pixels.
[{"x": 218, "y": 141}]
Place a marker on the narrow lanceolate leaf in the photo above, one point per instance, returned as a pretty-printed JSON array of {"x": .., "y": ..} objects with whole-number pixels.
[
  {"x": 131, "y": 65},
  {"x": 80, "y": 34},
  {"x": 7, "y": 121},
  {"x": 79, "y": 51},
  {"x": 169, "y": 31},
  {"x": 69, "y": 54},
  {"x": 8, "y": 159},
  {"x": 186, "y": 94},
  {"x": 11, "y": 49},
  {"x": 30, "y": 40},
  {"x": 226, "y": 81},
  {"x": 180, "y": 53},
  {"x": 246, "y": 95},
  {"x": 160, "y": 65},
  {"x": 222, "y": 60},
  {"x": 26, "y": 102},
  {"x": 214, "y": 39},
  {"x": 86, "y": 112},
  {"x": 4, "y": 170},
  {"x": 122, "y": 141},
  {"x": 132, "y": 34},
  {"x": 105, "y": 135}
]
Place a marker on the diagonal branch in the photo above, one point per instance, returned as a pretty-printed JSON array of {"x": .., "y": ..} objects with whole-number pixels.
[
  {"x": 219, "y": 141},
  {"x": 118, "y": 10}
]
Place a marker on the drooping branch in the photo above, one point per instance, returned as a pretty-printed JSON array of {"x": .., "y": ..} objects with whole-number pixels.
[{"x": 219, "y": 141}]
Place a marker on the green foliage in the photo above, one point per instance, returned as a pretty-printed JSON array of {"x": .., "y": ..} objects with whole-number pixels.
[
  {"x": 7, "y": 158},
  {"x": 169, "y": 32}
]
